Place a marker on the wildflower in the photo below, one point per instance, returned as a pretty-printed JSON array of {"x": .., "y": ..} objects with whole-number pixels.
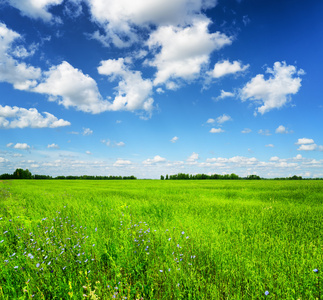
[
  {"x": 5, "y": 232},
  {"x": 183, "y": 232},
  {"x": 169, "y": 239},
  {"x": 13, "y": 254},
  {"x": 1, "y": 241},
  {"x": 16, "y": 267},
  {"x": 161, "y": 271},
  {"x": 315, "y": 270},
  {"x": 37, "y": 265},
  {"x": 266, "y": 293},
  {"x": 48, "y": 264},
  {"x": 93, "y": 245},
  {"x": 30, "y": 256}
]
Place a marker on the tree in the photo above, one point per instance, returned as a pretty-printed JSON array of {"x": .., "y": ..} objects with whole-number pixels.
[
  {"x": 162, "y": 177},
  {"x": 22, "y": 174}
]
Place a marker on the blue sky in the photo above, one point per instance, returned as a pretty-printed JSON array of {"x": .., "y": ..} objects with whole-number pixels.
[{"x": 151, "y": 87}]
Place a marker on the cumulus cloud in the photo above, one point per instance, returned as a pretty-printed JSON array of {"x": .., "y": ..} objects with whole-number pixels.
[
  {"x": 281, "y": 129},
  {"x": 18, "y": 117},
  {"x": 19, "y": 74},
  {"x": 264, "y": 132},
  {"x": 225, "y": 67},
  {"x": 36, "y": 9},
  {"x": 216, "y": 130},
  {"x": 304, "y": 141},
  {"x": 121, "y": 18},
  {"x": 274, "y": 158},
  {"x": 21, "y": 146},
  {"x": 133, "y": 92},
  {"x": 174, "y": 139},
  {"x": 87, "y": 131},
  {"x": 210, "y": 121},
  {"x": 223, "y": 118},
  {"x": 71, "y": 88},
  {"x": 309, "y": 147},
  {"x": 2, "y": 159},
  {"x": 122, "y": 162},
  {"x": 246, "y": 130},
  {"x": 284, "y": 80},
  {"x": 113, "y": 144},
  {"x": 156, "y": 159},
  {"x": 53, "y": 146},
  {"x": 183, "y": 51},
  {"x": 270, "y": 146},
  {"x": 193, "y": 157},
  {"x": 224, "y": 95}
]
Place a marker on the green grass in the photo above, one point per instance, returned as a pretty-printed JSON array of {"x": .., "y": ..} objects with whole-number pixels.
[{"x": 205, "y": 239}]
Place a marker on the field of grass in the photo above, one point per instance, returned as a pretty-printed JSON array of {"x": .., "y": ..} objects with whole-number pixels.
[{"x": 152, "y": 239}]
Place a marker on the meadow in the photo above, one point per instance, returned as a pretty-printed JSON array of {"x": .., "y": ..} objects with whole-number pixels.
[{"x": 154, "y": 239}]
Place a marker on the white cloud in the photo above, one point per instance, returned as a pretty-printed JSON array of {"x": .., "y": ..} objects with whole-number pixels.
[
  {"x": 120, "y": 18},
  {"x": 246, "y": 130},
  {"x": 264, "y": 132},
  {"x": 193, "y": 157},
  {"x": 310, "y": 147},
  {"x": 88, "y": 152},
  {"x": 274, "y": 158},
  {"x": 216, "y": 130},
  {"x": 122, "y": 162},
  {"x": 22, "y": 146},
  {"x": 133, "y": 92},
  {"x": 156, "y": 159},
  {"x": 160, "y": 90},
  {"x": 174, "y": 139},
  {"x": 225, "y": 67},
  {"x": 9, "y": 145},
  {"x": 113, "y": 144},
  {"x": 223, "y": 118},
  {"x": 184, "y": 50},
  {"x": 224, "y": 95},
  {"x": 298, "y": 157},
  {"x": 120, "y": 144},
  {"x": 274, "y": 92},
  {"x": 2, "y": 159},
  {"x": 210, "y": 121},
  {"x": 304, "y": 141},
  {"x": 35, "y": 8},
  {"x": 71, "y": 88},
  {"x": 270, "y": 145},
  {"x": 20, "y": 75},
  {"x": 87, "y": 131},
  {"x": 18, "y": 117},
  {"x": 53, "y": 146},
  {"x": 281, "y": 129}
]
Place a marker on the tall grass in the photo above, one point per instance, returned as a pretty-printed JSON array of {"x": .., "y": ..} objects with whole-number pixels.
[{"x": 161, "y": 239}]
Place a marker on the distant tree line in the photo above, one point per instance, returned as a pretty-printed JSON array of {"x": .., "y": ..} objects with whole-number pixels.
[
  {"x": 183, "y": 176},
  {"x": 26, "y": 174}
]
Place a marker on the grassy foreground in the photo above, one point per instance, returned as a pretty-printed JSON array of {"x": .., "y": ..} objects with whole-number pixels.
[{"x": 161, "y": 239}]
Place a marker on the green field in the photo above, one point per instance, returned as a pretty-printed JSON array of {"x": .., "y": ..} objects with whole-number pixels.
[{"x": 153, "y": 239}]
